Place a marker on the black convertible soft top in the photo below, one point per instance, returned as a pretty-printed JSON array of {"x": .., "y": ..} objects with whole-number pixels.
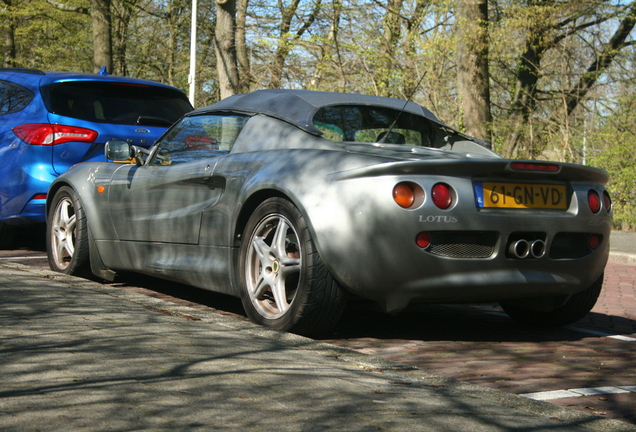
[{"x": 299, "y": 106}]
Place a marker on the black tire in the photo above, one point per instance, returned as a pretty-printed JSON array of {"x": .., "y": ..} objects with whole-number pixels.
[
  {"x": 283, "y": 282},
  {"x": 67, "y": 235},
  {"x": 574, "y": 309},
  {"x": 7, "y": 234}
]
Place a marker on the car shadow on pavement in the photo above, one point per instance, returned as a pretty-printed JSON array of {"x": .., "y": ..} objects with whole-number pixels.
[
  {"x": 30, "y": 237},
  {"x": 469, "y": 323},
  {"x": 611, "y": 324},
  {"x": 182, "y": 294}
]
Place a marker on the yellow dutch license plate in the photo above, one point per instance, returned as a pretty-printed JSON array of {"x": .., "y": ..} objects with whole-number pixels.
[{"x": 521, "y": 195}]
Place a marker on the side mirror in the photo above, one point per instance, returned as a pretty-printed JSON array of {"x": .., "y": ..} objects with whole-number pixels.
[{"x": 116, "y": 150}]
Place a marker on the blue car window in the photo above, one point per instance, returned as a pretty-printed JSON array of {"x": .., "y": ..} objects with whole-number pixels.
[
  {"x": 116, "y": 102},
  {"x": 13, "y": 98},
  {"x": 199, "y": 137}
]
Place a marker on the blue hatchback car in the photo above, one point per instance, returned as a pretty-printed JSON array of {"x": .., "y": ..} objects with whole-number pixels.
[{"x": 50, "y": 121}]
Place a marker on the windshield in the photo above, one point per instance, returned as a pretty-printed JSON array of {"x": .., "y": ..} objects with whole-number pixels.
[
  {"x": 370, "y": 124},
  {"x": 116, "y": 102}
]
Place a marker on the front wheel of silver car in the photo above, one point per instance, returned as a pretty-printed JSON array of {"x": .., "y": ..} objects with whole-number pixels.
[
  {"x": 67, "y": 234},
  {"x": 574, "y": 309},
  {"x": 284, "y": 284}
]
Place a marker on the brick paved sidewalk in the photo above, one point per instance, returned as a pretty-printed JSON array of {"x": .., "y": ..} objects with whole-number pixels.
[
  {"x": 481, "y": 345},
  {"x": 616, "y": 307}
]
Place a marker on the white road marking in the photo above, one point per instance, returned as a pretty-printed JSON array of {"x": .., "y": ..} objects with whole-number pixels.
[
  {"x": 579, "y": 329},
  {"x": 602, "y": 334},
  {"x": 578, "y": 392},
  {"x": 24, "y": 257}
]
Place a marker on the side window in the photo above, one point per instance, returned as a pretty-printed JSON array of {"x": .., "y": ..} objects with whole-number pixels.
[
  {"x": 13, "y": 98},
  {"x": 199, "y": 137}
]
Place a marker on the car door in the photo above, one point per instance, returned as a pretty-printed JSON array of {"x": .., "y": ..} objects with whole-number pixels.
[{"x": 163, "y": 201}]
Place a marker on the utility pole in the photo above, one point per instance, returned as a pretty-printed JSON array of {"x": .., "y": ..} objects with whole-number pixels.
[{"x": 193, "y": 53}]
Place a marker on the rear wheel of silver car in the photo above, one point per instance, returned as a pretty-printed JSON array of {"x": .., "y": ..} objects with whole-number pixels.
[
  {"x": 67, "y": 234},
  {"x": 574, "y": 309},
  {"x": 284, "y": 284}
]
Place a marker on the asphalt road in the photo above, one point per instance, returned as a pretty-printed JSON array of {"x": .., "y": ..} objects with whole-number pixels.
[{"x": 588, "y": 366}]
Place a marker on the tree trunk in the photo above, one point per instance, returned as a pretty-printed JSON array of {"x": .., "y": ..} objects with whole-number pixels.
[
  {"x": 412, "y": 76},
  {"x": 392, "y": 30},
  {"x": 226, "y": 62},
  {"x": 329, "y": 49},
  {"x": 242, "y": 56},
  {"x": 123, "y": 12},
  {"x": 9, "y": 59},
  {"x": 101, "y": 20},
  {"x": 473, "y": 77},
  {"x": 287, "y": 14},
  {"x": 102, "y": 48},
  {"x": 287, "y": 40}
]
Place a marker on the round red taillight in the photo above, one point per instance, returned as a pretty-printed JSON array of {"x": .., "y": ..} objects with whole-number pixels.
[
  {"x": 442, "y": 196},
  {"x": 594, "y": 201},
  {"x": 607, "y": 201},
  {"x": 404, "y": 194},
  {"x": 423, "y": 239},
  {"x": 593, "y": 241}
]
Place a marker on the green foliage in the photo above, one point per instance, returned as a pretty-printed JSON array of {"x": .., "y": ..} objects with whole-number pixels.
[
  {"x": 47, "y": 38},
  {"x": 538, "y": 51},
  {"x": 615, "y": 142}
]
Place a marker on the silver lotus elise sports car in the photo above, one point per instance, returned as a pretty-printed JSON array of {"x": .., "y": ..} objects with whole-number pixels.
[{"x": 297, "y": 201}]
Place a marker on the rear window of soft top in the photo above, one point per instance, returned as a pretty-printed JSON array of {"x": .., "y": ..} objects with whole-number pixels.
[
  {"x": 373, "y": 124},
  {"x": 116, "y": 103}
]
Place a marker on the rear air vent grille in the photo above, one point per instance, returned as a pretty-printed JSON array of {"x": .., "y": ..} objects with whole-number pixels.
[{"x": 463, "y": 244}]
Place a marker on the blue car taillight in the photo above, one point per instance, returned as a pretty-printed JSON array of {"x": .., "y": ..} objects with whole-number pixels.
[{"x": 53, "y": 134}]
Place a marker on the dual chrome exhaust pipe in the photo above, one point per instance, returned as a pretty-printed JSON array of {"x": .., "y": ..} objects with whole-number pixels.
[{"x": 524, "y": 248}]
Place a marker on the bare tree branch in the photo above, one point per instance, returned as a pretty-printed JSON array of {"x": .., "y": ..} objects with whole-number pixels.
[{"x": 602, "y": 62}]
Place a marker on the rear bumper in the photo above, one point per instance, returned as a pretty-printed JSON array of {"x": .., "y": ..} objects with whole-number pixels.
[
  {"x": 431, "y": 278},
  {"x": 34, "y": 212},
  {"x": 17, "y": 206}
]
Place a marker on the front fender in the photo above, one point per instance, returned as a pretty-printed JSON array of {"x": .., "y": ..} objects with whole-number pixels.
[{"x": 85, "y": 180}]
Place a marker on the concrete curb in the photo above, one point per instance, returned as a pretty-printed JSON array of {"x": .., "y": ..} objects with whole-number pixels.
[{"x": 622, "y": 258}]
